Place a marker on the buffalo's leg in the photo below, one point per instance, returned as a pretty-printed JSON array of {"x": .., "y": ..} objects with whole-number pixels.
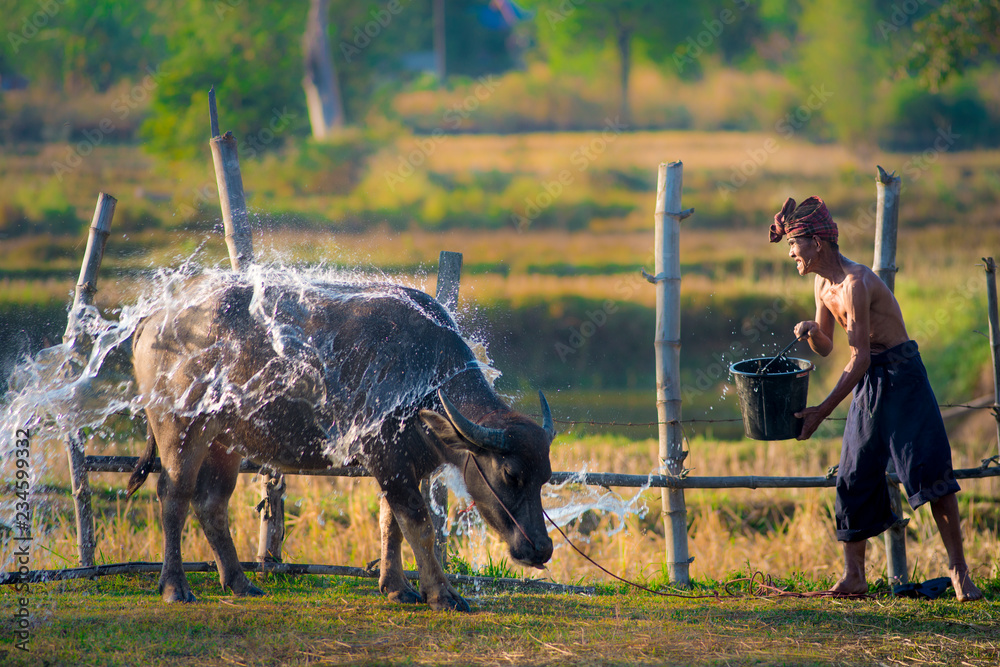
[
  {"x": 414, "y": 520},
  {"x": 183, "y": 445},
  {"x": 182, "y": 449},
  {"x": 216, "y": 482},
  {"x": 392, "y": 581}
]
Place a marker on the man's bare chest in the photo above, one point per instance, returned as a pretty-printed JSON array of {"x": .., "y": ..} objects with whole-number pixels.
[{"x": 834, "y": 301}]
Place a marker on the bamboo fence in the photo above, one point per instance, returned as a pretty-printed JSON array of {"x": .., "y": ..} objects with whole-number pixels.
[{"x": 671, "y": 478}]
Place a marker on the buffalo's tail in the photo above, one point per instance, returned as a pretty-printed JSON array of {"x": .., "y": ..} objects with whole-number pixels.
[{"x": 144, "y": 465}]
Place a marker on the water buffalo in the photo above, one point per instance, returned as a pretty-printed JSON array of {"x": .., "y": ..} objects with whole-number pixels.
[{"x": 301, "y": 375}]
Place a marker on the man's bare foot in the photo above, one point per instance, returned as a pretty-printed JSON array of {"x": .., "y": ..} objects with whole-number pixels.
[
  {"x": 965, "y": 590},
  {"x": 851, "y": 585}
]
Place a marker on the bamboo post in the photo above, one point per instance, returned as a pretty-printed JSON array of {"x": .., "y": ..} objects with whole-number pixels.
[
  {"x": 239, "y": 243},
  {"x": 86, "y": 287},
  {"x": 991, "y": 304},
  {"x": 231, "y": 197},
  {"x": 667, "y": 344},
  {"x": 436, "y": 494},
  {"x": 886, "y": 229},
  {"x": 449, "y": 279}
]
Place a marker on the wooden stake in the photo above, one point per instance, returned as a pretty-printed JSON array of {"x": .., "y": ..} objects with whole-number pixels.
[
  {"x": 231, "y": 197},
  {"x": 886, "y": 228},
  {"x": 272, "y": 517},
  {"x": 449, "y": 279},
  {"x": 991, "y": 298},
  {"x": 667, "y": 345},
  {"x": 436, "y": 495},
  {"x": 240, "y": 246},
  {"x": 213, "y": 113},
  {"x": 886, "y": 224},
  {"x": 86, "y": 287}
]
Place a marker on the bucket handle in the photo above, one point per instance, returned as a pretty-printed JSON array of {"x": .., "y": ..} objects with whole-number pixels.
[{"x": 780, "y": 354}]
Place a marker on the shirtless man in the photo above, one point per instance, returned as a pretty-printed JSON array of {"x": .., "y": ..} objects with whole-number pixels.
[{"x": 893, "y": 412}]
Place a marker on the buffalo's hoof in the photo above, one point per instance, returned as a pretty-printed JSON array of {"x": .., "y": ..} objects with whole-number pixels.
[
  {"x": 251, "y": 591},
  {"x": 406, "y": 596},
  {"x": 174, "y": 595},
  {"x": 243, "y": 588},
  {"x": 450, "y": 601}
]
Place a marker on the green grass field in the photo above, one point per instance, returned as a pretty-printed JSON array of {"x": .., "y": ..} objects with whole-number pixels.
[{"x": 314, "y": 621}]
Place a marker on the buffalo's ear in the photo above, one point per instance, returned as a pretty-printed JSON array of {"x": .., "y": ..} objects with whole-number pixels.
[{"x": 444, "y": 430}]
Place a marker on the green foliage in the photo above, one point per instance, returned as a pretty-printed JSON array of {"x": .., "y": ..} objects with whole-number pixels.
[
  {"x": 838, "y": 54},
  {"x": 42, "y": 209},
  {"x": 494, "y": 569},
  {"x": 914, "y": 118},
  {"x": 237, "y": 48},
  {"x": 614, "y": 27},
  {"x": 954, "y": 37},
  {"x": 499, "y": 569},
  {"x": 79, "y": 43},
  {"x": 313, "y": 168}
]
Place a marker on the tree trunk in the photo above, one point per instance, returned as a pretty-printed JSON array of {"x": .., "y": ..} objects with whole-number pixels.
[
  {"x": 440, "y": 42},
  {"x": 323, "y": 99},
  {"x": 625, "y": 62}
]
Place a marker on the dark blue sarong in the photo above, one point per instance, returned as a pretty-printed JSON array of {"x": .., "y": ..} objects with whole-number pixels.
[{"x": 893, "y": 413}]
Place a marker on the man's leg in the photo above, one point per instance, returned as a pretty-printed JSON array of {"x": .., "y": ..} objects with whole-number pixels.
[
  {"x": 945, "y": 511},
  {"x": 853, "y": 580}
]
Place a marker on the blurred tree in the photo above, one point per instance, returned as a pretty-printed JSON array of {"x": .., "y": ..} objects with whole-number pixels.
[
  {"x": 253, "y": 54},
  {"x": 74, "y": 44},
  {"x": 779, "y": 22},
  {"x": 955, "y": 36},
  {"x": 840, "y": 64},
  {"x": 326, "y": 107},
  {"x": 250, "y": 53},
  {"x": 572, "y": 26}
]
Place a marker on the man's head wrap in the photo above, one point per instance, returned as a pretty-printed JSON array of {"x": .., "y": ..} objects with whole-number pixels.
[{"x": 810, "y": 218}]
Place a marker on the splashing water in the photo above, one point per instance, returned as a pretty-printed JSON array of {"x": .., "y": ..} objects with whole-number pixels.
[
  {"x": 566, "y": 503},
  {"x": 76, "y": 386},
  {"x": 578, "y": 500},
  {"x": 71, "y": 388}
]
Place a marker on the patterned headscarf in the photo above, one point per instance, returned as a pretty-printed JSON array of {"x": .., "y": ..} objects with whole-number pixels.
[{"x": 810, "y": 218}]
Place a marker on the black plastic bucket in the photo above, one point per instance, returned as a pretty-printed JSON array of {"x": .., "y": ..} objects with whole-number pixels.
[{"x": 769, "y": 401}]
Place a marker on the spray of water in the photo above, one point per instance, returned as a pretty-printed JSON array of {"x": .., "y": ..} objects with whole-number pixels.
[
  {"x": 71, "y": 388},
  {"x": 570, "y": 500}
]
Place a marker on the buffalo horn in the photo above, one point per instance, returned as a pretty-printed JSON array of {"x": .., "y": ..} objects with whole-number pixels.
[
  {"x": 547, "y": 425},
  {"x": 489, "y": 438}
]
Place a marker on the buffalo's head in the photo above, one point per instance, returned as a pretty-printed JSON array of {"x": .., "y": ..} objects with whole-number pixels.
[{"x": 504, "y": 468}]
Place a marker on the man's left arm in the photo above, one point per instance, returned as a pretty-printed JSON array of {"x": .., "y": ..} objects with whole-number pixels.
[{"x": 857, "y": 299}]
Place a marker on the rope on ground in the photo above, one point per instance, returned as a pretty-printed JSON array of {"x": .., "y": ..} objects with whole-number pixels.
[{"x": 759, "y": 584}]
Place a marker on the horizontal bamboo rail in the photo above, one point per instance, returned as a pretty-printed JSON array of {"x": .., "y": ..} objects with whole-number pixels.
[
  {"x": 43, "y": 576},
  {"x": 605, "y": 479}
]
